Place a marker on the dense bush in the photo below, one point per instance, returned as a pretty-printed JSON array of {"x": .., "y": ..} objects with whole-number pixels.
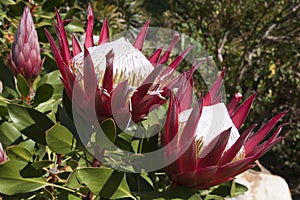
[{"x": 258, "y": 42}]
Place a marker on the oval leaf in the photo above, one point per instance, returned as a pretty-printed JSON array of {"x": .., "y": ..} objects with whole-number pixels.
[
  {"x": 43, "y": 93},
  {"x": 11, "y": 182},
  {"x": 8, "y": 133},
  {"x": 19, "y": 153},
  {"x": 30, "y": 122},
  {"x": 60, "y": 139},
  {"x": 22, "y": 85},
  {"x": 105, "y": 182},
  {"x": 106, "y": 134}
]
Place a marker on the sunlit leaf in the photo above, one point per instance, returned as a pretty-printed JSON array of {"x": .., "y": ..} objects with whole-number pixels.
[
  {"x": 11, "y": 182},
  {"x": 20, "y": 153},
  {"x": 8, "y": 133},
  {"x": 60, "y": 139},
  {"x": 30, "y": 122},
  {"x": 105, "y": 182}
]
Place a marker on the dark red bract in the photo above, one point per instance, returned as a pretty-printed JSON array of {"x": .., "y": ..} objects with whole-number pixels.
[{"x": 202, "y": 166}]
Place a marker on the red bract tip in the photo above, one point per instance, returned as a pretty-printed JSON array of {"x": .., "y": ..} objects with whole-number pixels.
[
  {"x": 166, "y": 55},
  {"x": 171, "y": 123},
  {"x": 262, "y": 133},
  {"x": 75, "y": 46},
  {"x": 109, "y": 74},
  {"x": 213, "y": 91},
  {"x": 104, "y": 35},
  {"x": 89, "y": 76},
  {"x": 211, "y": 154},
  {"x": 89, "y": 42},
  {"x": 62, "y": 38},
  {"x": 234, "y": 103},
  {"x": 239, "y": 116},
  {"x": 139, "y": 41},
  {"x": 155, "y": 56}
]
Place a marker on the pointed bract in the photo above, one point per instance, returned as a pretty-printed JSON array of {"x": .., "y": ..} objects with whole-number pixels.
[
  {"x": 104, "y": 34},
  {"x": 89, "y": 42},
  {"x": 234, "y": 103},
  {"x": 226, "y": 155},
  {"x": 241, "y": 113},
  {"x": 75, "y": 45},
  {"x": 213, "y": 91},
  {"x": 166, "y": 55},
  {"x": 139, "y": 41}
]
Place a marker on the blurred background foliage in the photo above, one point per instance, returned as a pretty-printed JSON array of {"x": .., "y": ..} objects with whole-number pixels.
[{"x": 257, "y": 41}]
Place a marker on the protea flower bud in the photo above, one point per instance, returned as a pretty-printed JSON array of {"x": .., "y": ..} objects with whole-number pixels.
[
  {"x": 3, "y": 156},
  {"x": 208, "y": 146},
  {"x": 25, "y": 56}
]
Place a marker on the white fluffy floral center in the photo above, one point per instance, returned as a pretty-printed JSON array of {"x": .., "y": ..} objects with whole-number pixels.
[
  {"x": 129, "y": 63},
  {"x": 213, "y": 121}
]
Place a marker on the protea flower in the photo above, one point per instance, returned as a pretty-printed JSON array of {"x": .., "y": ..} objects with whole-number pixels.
[
  {"x": 210, "y": 148},
  {"x": 3, "y": 156},
  {"x": 25, "y": 56},
  {"x": 115, "y": 74}
]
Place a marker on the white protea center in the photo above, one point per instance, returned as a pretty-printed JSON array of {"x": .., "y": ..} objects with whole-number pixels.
[
  {"x": 129, "y": 63},
  {"x": 213, "y": 121}
]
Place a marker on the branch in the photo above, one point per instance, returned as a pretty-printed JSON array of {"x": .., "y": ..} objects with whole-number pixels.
[{"x": 220, "y": 49}]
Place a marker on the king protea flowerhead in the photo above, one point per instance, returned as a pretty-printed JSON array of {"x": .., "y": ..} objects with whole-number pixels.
[
  {"x": 115, "y": 74},
  {"x": 217, "y": 151},
  {"x": 3, "y": 156},
  {"x": 25, "y": 58}
]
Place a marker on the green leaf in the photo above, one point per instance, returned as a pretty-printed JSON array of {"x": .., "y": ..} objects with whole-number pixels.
[
  {"x": 105, "y": 182},
  {"x": 7, "y": 2},
  {"x": 72, "y": 11},
  {"x": 75, "y": 26},
  {"x": 28, "y": 144},
  {"x": 6, "y": 76},
  {"x": 60, "y": 139},
  {"x": 138, "y": 183},
  {"x": 237, "y": 189},
  {"x": 195, "y": 197},
  {"x": 150, "y": 144},
  {"x": 53, "y": 102},
  {"x": 73, "y": 164},
  {"x": 229, "y": 189},
  {"x": 22, "y": 85},
  {"x": 73, "y": 197},
  {"x": 43, "y": 23},
  {"x": 41, "y": 164},
  {"x": 106, "y": 133},
  {"x": 43, "y": 93},
  {"x": 53, "y": 79},
  {"x": 30, "y": 122},
  {"x": 8, "y": 133},
  {"x": 73, "y": 181},
  {"x": 177, "y": 192},
  {"x": 19, "y": 153},
  {"x": 3, "y": 111},
  {"x": 49, "y": 5},
  {"x": 213, "y": 197},
  {"x": 11, "y": 182}
]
